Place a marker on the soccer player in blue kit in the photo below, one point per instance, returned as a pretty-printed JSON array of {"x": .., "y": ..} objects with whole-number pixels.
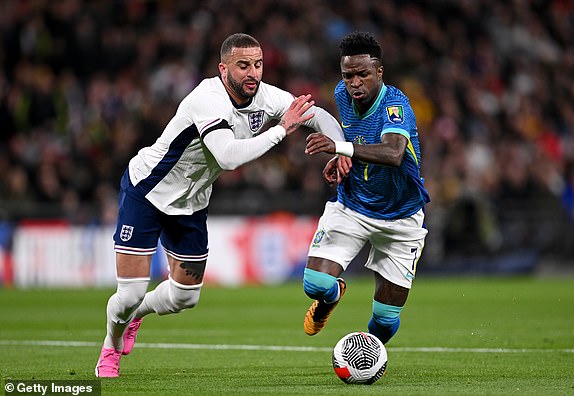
[
  {"x": 380, "y": 193},
  {"x": 165, "y": 191}
]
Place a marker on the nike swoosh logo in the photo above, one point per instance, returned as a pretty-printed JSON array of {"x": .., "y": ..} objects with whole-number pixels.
[{"x": 345, "y": 126}]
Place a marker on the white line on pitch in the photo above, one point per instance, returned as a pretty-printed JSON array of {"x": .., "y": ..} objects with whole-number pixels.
[{"x": 276, "y": 347}]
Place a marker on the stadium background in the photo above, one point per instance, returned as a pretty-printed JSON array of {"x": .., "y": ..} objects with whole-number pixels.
[{"x": 84, "y": 85}]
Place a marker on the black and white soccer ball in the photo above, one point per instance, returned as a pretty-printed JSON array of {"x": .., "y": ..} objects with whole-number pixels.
[{"x": 359, "y": 358}]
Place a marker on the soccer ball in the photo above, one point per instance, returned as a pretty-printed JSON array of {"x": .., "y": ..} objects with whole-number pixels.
[{"x": 359, "y": 358}]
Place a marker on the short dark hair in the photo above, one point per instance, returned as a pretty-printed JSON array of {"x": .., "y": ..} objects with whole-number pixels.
[
  {"x": 237, "y": 40},
  {"x": 361, "y": 43}
]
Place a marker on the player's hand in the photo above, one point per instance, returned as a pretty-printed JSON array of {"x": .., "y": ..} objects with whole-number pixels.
[
  {"x": 337, "y": 169},
  {"x": 330, "y": 172},
  {"x": 319, "y": 143},
  {"x": 344, "y": 165},
  {"x": 295, "y": 116}
]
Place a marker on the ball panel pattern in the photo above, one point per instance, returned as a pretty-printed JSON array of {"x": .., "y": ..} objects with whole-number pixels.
[{"x": 359, "y": 358}]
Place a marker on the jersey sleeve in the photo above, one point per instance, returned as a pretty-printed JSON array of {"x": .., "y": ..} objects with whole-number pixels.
[
  {"x": 325, "y": 123},
  {"x": 209, "y": 112},
  {"x": 322, "y": 121},
  {"x": 230, "y": 153},
  {"x": 213, "y": 119},
  {"x": 399, "y": 118},
  {"x": 277, "y": 99}
]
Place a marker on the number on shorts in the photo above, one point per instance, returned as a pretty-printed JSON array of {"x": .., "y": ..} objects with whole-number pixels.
[{"x": 414, "y": 250}]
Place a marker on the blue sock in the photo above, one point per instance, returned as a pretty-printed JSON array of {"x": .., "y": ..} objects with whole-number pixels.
[
  {"x": 320, "y": 286},
  {"x": 385, "y": 321}
]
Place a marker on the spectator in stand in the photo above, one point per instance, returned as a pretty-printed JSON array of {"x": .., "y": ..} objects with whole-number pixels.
[{"x": 72, "y": 72}]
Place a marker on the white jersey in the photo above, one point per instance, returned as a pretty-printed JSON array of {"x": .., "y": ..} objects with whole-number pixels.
[{"x": 176, "y": 173}]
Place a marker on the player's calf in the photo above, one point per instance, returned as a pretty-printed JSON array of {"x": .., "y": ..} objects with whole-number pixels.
[
  {"x": 129, "y": 295},
  {"x": 320, "y": 286},
  {"x": 385, "y": 321},
  {"x": 121, "y": 308},
  {"x": 327, "y": 291},
  {"x": 181, "y": 297},
  {"x": 169, "y": 297}
]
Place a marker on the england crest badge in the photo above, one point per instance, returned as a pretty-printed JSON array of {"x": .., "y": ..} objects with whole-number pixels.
[
  {"x": 126, "y": 233},
  {"x": 256, "y": 120}
]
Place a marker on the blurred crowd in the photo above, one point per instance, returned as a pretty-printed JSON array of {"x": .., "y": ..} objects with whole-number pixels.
[{"x": 85, "y": 84}]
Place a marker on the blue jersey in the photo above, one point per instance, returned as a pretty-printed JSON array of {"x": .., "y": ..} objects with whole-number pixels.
[{"x": 380, "y": 191}]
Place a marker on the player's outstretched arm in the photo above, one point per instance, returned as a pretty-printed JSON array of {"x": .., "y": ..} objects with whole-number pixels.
[
  {"x": 389, "y": 152},
  {"x": 230, "y": 153}
]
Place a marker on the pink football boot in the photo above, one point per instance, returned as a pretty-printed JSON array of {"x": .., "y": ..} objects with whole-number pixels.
[
  {"x": 109, "y": 363},
  {"x": 130, "y": 335}
]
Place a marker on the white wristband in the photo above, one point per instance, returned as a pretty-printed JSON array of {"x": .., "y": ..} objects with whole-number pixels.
[{"x": 344, "y": 148}]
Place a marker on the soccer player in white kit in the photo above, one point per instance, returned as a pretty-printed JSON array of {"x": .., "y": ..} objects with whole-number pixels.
[{"x": 166, "y": 189}]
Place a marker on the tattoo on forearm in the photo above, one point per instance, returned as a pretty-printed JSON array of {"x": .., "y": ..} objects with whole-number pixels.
[
  {"x": 292, "y": 126},
  {"x": 194, "y": 269}
]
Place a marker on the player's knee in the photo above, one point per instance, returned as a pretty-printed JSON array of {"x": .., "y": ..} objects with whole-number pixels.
[
  {"x": 182, "y": 296},
  {"x": 385, "y": 321},
  {"x": 318, "y": 284}
]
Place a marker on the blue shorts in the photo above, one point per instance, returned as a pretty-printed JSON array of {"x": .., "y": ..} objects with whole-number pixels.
[{"x": 140, "y": 225}]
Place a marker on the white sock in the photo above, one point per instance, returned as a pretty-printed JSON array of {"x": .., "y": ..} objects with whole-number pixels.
[
  {"x": 169, "y": 297},
  {"x": 121, "y": 308}
]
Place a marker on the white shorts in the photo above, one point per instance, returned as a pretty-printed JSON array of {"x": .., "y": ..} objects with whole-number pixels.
[{"x": 396, "y": 245}]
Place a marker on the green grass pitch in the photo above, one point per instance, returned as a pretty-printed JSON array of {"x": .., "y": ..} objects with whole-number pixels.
[{"x": 471, "y": 336}]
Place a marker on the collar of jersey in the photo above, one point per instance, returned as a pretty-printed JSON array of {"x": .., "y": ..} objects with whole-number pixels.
[
  {"x": 233, "y": 102},
  {"x": 238, "y": 106},
  {"x": 374, "y": 106}
]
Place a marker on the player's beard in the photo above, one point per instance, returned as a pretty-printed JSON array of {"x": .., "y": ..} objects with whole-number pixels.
[{"x": 237, "y": 87}]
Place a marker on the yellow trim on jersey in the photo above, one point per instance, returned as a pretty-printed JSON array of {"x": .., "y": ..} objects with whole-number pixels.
[{"x": 411, "y": 149}]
